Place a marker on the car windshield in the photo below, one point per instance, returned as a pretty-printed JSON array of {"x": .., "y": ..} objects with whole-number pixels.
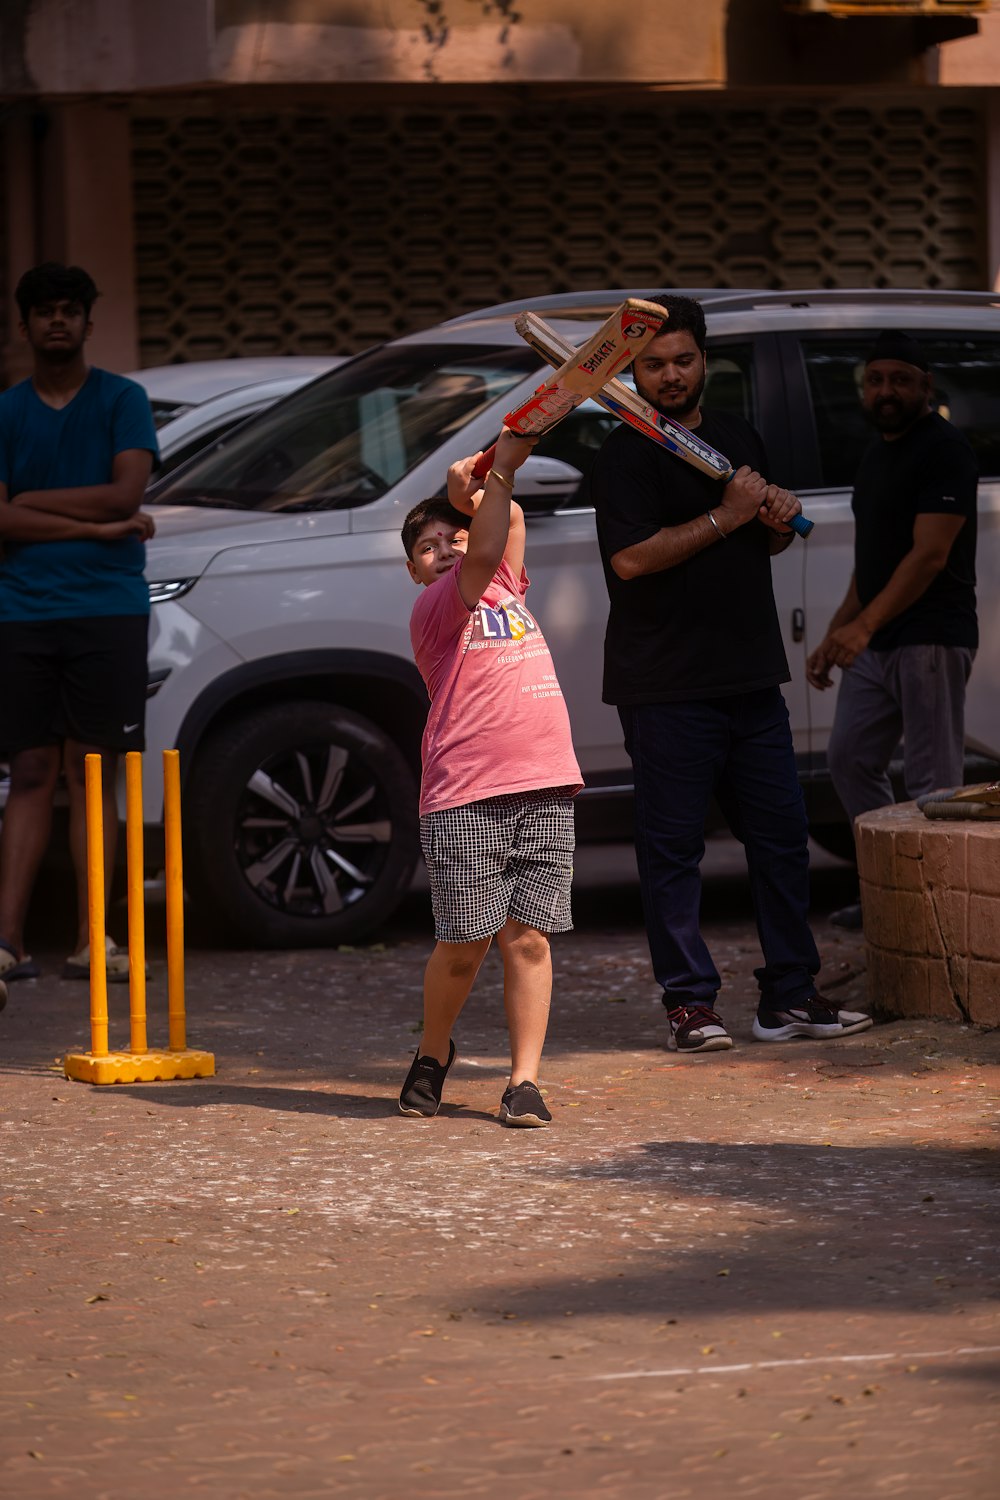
[{"x": 347, "y": 439}]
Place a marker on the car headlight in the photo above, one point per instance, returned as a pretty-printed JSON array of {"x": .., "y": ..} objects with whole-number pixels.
[{"x": 173, "y": 588}]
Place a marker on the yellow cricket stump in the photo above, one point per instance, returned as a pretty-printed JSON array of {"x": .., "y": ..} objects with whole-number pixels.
[{"x": 138, "y": 1064}]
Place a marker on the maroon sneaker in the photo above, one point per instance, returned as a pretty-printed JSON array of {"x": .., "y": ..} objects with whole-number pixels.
[{"x": 697, "y": 1028}]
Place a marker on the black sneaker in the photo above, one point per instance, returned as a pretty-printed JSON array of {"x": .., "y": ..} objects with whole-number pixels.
[
  {"x": 696, "y": 1028},
  {"x": 421, "y": 1093},
  {"x": 522, "y": 1104},
  {"x": 849, "y": 917},
  {"x": 814, "y": 1017}
]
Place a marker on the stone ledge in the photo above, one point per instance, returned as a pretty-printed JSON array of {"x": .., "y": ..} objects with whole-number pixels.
[{"x": 930, "y": 892}]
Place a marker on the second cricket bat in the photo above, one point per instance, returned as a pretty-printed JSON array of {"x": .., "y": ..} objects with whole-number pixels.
[
  {"x": 628, "y": 406},
  {"x": 581, "y": 372}
]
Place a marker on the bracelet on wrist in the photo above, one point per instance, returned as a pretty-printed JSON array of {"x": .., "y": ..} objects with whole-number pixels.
[
  {"x": 502, "y": 478},
  {"x": 716, "y": 525}
]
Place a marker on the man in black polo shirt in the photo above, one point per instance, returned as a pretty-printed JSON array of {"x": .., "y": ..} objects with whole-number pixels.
[
  {"x": 693, "y": 661},
  {"x": 906, "y": 633}
]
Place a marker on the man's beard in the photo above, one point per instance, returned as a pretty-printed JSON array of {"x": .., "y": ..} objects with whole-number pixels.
[
  {"x": 678, "y": 413},
  {"x": 892, "y": 415}
]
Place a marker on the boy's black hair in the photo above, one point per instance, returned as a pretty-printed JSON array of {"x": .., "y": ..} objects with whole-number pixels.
[
  {"x": 686, "y": 316},
  {"x": 52, "y": 282},
  {"x": 438, "y": 509}
]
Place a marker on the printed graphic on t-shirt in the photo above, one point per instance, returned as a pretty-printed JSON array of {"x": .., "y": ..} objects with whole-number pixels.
[
  {"x": 494, "y": 625},
  {"x": 509, "y": 628}
]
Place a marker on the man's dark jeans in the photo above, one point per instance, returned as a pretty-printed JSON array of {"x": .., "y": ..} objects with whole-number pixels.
[{"x": 740, "y": 749}]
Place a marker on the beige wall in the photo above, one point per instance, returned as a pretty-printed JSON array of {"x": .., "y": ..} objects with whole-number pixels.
[
  {"x": 647, "y": 41},
  {"x": 70, "y": 71},
  {"x": 974, "y": 60},
  {"x": 79, "y": 47}
]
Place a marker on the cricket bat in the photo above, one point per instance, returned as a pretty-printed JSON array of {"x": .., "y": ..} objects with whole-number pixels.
[
  {"x": 581, "y": 372},
  {"x": 628, "y": 406}
]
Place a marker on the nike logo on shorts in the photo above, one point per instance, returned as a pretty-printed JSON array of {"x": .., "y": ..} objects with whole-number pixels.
[{"x": 129, "y": 728}]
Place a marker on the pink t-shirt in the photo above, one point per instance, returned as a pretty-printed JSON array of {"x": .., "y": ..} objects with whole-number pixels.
[{"x": 498, "y": 722}]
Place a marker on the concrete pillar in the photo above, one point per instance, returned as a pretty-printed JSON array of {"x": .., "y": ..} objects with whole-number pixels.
[
  {"x": 992, "y": 186},
  {"x": 85, "y": 217},
  {"x": 20, "y": 211}
]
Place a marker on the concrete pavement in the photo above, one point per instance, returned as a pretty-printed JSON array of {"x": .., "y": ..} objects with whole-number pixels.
[{"x": 762, "y": 1273}]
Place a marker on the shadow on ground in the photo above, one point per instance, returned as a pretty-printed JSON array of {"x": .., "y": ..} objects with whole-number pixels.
[{"x": 797, "y": 1228}]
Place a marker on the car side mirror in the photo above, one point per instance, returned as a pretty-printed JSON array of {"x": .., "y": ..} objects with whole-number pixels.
[{"x": 545, "y": 485}]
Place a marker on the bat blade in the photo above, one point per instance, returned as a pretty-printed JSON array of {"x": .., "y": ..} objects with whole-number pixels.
[
  {"x": 581, "y": 372},
  {"x": 628, "y": 406}
]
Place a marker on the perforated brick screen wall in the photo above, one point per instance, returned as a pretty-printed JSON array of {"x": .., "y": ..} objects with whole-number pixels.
[{"x": 299, "y": 231}]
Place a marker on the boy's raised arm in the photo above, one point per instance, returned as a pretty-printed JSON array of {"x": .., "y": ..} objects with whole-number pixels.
[{"x": 497, "y": 528}]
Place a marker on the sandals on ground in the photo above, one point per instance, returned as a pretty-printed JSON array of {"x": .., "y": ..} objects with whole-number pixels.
[
  {"x": 77, "y": 966},
  {"x": 12, "y": 967}
]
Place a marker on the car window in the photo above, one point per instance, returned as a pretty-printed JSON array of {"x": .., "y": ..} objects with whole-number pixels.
[
  {"x": 202, "y": 440},
  {"x": 729, "y": 385},
  {"x": 346, "y": 439},
  {"x": 966, "y": 375},
  {"x": 578, "y": 437}
]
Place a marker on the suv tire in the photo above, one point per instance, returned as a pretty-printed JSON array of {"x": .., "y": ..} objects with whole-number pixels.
[{"x": 300, "y": 827}]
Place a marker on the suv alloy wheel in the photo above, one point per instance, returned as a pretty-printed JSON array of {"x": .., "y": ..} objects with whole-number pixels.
[{"x": 300, "y": 823}]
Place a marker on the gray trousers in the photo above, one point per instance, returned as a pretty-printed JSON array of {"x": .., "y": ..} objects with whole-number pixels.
[{"x": 914, "y": 693}]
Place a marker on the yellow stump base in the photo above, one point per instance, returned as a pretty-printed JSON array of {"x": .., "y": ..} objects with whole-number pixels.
[{"x": 138, "y": 1067}]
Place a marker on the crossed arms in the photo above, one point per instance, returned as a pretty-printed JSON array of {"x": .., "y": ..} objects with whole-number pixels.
[{"x": 99, "y": 512}]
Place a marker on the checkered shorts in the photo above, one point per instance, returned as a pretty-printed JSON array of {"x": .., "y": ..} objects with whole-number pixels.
[{"x": 503, "y": 857}]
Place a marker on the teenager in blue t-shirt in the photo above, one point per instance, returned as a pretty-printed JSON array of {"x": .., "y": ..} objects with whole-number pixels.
[{"x": 76, "y": 449}]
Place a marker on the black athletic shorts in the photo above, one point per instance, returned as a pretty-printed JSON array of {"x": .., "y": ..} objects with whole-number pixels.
[{"x": 81, "y": 680}]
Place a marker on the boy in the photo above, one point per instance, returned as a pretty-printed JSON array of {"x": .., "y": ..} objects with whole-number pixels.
[{"x": 499, "y": 774}]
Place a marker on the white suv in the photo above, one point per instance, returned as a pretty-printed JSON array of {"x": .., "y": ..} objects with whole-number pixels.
[{"x": 279, "y": 651}]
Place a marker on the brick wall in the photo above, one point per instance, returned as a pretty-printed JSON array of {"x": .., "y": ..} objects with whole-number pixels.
[{"x": 931, "y": 897}]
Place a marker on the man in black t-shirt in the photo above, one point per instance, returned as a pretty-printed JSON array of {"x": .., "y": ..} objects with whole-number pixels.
[
  {"x": 906, "y": 633},
  {"x": 693, "y": 661}
]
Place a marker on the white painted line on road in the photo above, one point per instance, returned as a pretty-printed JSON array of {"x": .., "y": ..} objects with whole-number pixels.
[{"x": 784, "y": 1364}]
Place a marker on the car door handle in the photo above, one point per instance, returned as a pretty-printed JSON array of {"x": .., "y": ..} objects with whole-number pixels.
[{"x": 798, "y": 625}]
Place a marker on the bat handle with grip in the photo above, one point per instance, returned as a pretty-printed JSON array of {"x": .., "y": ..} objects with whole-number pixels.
[
  {"x": 801, "y": 525},
  {"x": 485, "y": 464}
]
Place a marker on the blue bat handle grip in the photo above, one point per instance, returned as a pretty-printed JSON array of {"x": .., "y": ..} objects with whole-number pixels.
[{"x": 801, "y": 526}]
